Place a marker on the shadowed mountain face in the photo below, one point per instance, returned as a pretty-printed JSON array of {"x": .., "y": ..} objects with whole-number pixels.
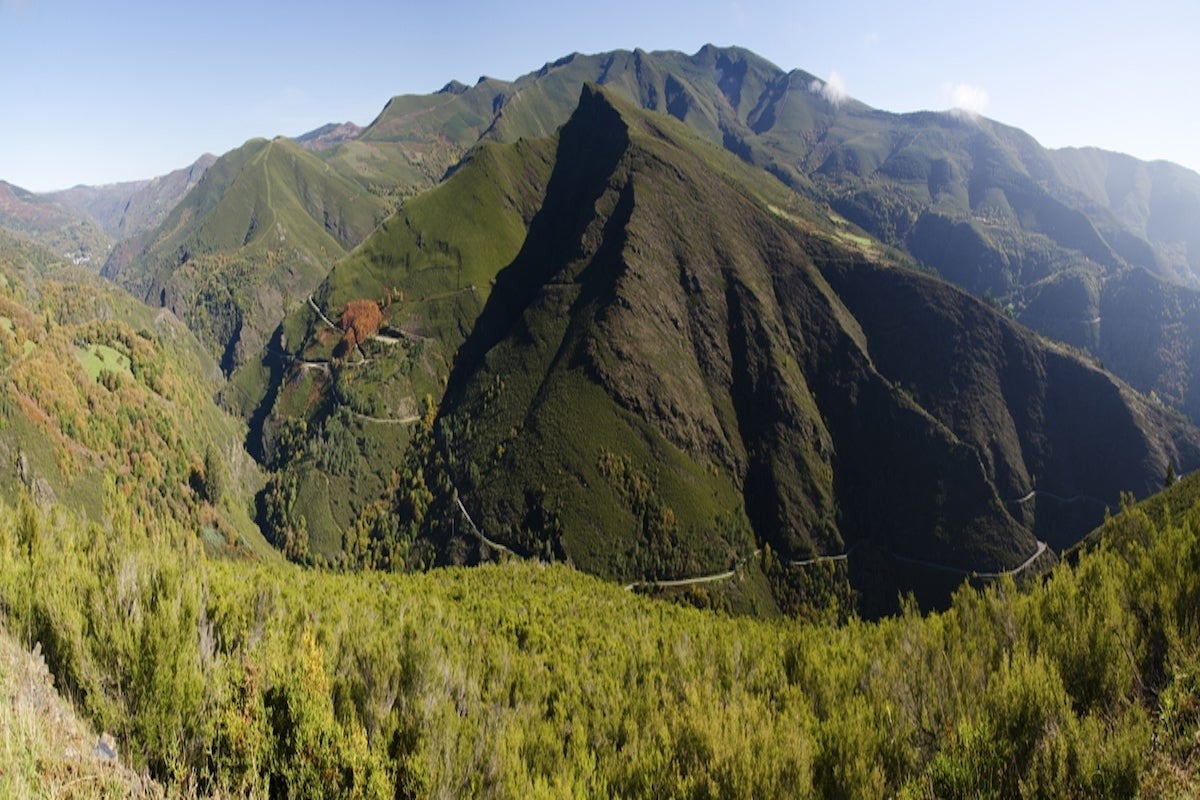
[
  {"x": 711, "y": 343},
  {"x": 680, "y": 362},
  {"x": 655, "y": 343}
]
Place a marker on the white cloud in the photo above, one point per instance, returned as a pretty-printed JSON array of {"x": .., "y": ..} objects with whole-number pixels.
[
  {"x": 963, "y": 97},
  {"x": 832, "y": 88},
  {"x": 739, "y": 14}
]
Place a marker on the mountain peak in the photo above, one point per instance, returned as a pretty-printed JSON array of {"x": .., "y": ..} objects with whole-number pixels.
[
  {"x": 453, "y": 87},
  {"x": 599, "y": 119}
]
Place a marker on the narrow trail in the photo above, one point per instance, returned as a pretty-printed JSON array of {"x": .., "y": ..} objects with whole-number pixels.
[
  {"x": 720, "y": 576},
  {"x": 478, "y": 533},
  {"x": 711, "y": 578},
  {"x": 1041, "y": 492},
  {"x": 321, "y": 314},
  {"x": 1041, "y": 548},
  {"x": 387, "y": 420},
  {"x": 804, "y": 562},
  {"x": 716, "y": 577}
]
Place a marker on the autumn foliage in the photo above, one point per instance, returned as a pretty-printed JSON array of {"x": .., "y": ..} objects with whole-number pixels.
[{"x": 360, "y": 321}]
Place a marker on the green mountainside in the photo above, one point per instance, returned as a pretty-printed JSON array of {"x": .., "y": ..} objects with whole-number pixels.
[
  {"x": 252, "y": 240},
  {"x": 658, "y": 361},
  {"x": 338, "y": 424},
  {"x": 101, "y": 394},
  {"x": 634, "y": 326},
  {"x": 1051, "y": 236}
]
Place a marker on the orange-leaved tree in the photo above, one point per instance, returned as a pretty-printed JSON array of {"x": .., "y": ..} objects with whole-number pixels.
[{"x": 360, "y": 321}]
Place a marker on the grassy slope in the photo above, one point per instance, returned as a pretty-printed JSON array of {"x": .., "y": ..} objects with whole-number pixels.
[
  {"x": 431, "y": 267},
  {"x": 249, "y": 244},
  {"x": 642, "y": 437}
]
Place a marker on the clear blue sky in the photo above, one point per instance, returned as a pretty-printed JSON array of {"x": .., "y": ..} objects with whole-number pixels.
[{"x": 94, "y": 91}]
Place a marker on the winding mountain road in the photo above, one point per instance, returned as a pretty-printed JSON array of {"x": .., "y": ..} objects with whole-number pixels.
[{"x": 804, "y": 562}]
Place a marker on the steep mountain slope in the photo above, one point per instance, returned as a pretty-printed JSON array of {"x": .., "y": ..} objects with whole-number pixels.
[
  {"x": 127, "y": 209},
  {"x": 68, "y": 234},
  {"x": 100, "y": 394},
  {"x": 254, "y": 237},
  {"x": 1157, "y": 201},
  {"x": 732, "y": 359},
  {"x": 679, "y": 362}
]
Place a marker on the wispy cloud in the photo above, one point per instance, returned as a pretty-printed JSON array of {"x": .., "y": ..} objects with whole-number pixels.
[
  {"x": 965, "y": 98},
  {"x": 832, "y": 88}
]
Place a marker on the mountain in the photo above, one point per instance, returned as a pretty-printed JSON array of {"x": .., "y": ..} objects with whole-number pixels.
[
  {"x": 70, "y": 235},
  {"x": 658, "y": 359},
  {"x": 1056, "y": 240},
  {"x": 981, "y": 203},
  {"x": 328, "y": 136},
  {"x": 127, "y": 209}
]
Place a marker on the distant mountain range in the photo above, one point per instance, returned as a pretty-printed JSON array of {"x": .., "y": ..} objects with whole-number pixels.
[
  {"x": 127, "y": 209},
  {"x": 671, "y": 311}
]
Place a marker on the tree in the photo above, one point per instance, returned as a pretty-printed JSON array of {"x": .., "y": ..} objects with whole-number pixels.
[
  {"x": 216, "y": 478},
  {"x": 1171, "y": 477},
  {"x": 360, "y": 321}
]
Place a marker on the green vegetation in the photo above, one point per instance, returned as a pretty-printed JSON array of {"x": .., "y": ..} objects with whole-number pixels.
[
  {"x": 674, "y": 351},
  {"x": 980, "y": 203},
  {"x": 525, "y": 680}
]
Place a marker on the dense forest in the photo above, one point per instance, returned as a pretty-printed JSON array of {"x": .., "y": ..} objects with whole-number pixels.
[{"x": 220, "y": 675}]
